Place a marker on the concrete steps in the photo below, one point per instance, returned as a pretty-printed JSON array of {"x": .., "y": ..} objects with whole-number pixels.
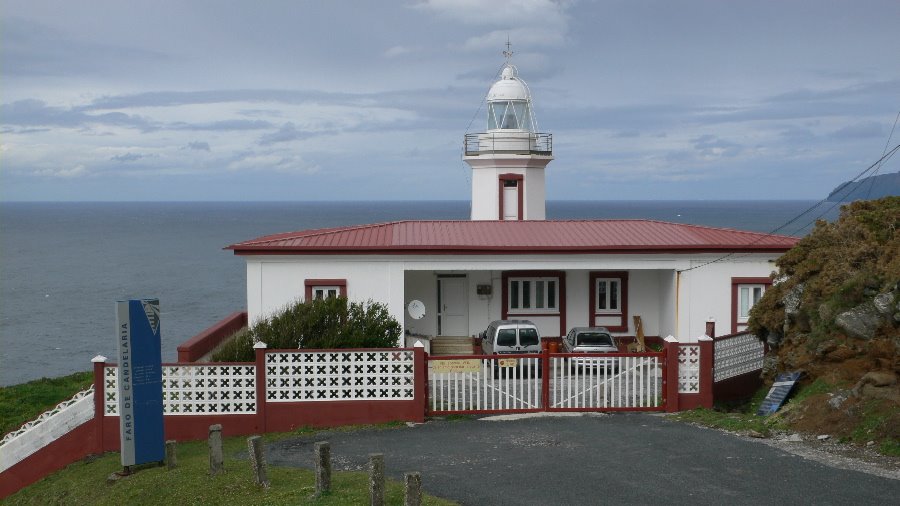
[{"x": 451, "y": 345}]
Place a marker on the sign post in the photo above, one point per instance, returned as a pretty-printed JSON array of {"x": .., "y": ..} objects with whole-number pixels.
[{"x": 140, "y": 382}]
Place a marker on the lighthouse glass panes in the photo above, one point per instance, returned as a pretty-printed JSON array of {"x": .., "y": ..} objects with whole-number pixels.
[{"x": 509, "y": 115}]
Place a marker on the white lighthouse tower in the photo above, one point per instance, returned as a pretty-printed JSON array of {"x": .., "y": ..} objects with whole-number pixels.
[{"x": 509, "y": 158}]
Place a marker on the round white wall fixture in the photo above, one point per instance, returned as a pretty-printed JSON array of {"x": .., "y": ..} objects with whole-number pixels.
[{"x": 416, "y": 309}]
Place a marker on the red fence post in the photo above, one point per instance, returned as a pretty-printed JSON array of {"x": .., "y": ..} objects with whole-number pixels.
[
  {"x": 545, "y": 378},
  {"x": 260, "y": 349},
  {"x": 707, "y": 358},
  {"x": 670, "y": 346},
  {"x": 420, "y": 371},
  {"x": 99, "y": 399}
]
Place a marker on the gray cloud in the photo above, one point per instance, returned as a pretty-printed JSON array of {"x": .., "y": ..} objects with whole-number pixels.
[
  {"x": 128, "y": 157},
  {"x": 33, "y": 112},
  {"x": 863, "y": 130},
  {"x": 288, "y": 132},
  {"x": 198, "y": 146}
]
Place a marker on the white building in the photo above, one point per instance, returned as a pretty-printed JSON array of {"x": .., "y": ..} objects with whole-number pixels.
[{"x": 509, "y": 262}]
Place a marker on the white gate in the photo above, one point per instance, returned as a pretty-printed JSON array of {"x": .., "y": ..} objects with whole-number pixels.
[{"x": 570, "y": 382}]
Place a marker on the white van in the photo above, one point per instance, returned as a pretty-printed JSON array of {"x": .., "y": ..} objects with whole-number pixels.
[{"x": 510, "y": 336}]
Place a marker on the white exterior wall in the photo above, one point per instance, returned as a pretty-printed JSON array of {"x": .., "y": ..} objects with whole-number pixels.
[
  {"x": 666, "y": 303},
  {"x": 275, "y": 281},
  {"x": 486, "y": 170},
  {"x": 706, "y": 292},
  {"x": 535, "y": 194}
]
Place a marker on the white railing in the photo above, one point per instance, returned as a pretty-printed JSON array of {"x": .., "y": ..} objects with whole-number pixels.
[
  {"x": 49, "y": 426},
  {"x": 296, "y": 376},
  {"x": 488, "y": 384},
  {"x": 597, "y": 381},
  {"x": 737, "y": 354},
  {"x": 188, "y": 389}
]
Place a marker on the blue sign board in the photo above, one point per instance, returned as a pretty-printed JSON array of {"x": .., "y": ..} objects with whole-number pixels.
[
  {"x": 140, "y": 382},
  {"x": 779, "y": 392}
]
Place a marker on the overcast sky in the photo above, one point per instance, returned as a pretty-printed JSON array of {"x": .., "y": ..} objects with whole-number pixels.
[{"x": 293, "y": 100}]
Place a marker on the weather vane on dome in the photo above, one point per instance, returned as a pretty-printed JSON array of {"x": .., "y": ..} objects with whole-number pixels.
[{"x": 509, "y": 52}]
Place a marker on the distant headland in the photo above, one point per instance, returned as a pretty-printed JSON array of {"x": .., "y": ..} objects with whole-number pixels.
[{"x": 870, "y": 188}]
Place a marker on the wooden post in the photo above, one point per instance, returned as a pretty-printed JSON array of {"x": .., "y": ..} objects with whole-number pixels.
[
  {"x": 258, "y": 460},
  {"x": 171, "y": 454},
  {"x": 412, "y": 491},
  {"x": 323, "y": 467},
  {"x": 376, "y": 479},
  {"x": 216, "y": 456}
]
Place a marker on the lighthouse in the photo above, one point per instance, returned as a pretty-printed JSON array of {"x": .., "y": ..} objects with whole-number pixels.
[{"x": 508, "y": 159}]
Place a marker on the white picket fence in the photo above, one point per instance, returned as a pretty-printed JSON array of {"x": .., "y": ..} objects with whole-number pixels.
[{"x": 584, "y": 382}]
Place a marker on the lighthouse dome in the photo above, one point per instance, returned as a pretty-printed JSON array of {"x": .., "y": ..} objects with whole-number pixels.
[
  {"x": 509, "y": 103},
  {"x": 509, "y": 87}
]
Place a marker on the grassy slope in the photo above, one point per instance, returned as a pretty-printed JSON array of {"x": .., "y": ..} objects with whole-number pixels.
[
  {"x": 85, "y": 483},
  {"x": 25, "y": 402}
]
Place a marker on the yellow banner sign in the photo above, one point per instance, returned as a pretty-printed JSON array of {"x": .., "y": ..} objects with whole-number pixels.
[
  {"x": 508, "y": 362},
  {"x": 463, "y": 365}
]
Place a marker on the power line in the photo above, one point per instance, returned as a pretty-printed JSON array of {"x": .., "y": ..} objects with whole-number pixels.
[
  {"x": 886, "y": 144},
  {"x": 886, "y": 156}
]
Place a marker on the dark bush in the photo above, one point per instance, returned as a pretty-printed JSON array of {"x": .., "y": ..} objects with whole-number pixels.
[{"x": 317, "y": 324}]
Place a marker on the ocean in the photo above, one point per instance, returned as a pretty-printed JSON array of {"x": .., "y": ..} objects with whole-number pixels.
[{"x": 63, "y": 265}]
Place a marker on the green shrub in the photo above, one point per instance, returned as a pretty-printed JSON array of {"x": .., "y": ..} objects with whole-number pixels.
[{"x": 317, "y": 324}]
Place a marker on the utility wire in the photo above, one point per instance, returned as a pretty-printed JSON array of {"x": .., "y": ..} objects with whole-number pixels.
[
  {"x": 886, "y": 144},
  {"x": 886, "y": 156}
]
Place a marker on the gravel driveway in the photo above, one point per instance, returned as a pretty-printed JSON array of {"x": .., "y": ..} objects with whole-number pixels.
[{"x": 591, "y": 459}]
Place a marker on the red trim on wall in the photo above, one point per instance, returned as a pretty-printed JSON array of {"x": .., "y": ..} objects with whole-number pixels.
[
  {"x": 561, "y": 281},
  {"x": 310, "y": 283},
  {"x": 734, "y": 296},
  {"x": 521, "y": 189},
  {"x": 592, "y": 299}
]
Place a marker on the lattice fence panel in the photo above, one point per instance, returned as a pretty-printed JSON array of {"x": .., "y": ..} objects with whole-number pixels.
[
  {"x": 196, "y": 390},
  {"x": 689, "y": 369},
  {"x": 738, "y": 355},
  {"x": 339, "y": 376}
]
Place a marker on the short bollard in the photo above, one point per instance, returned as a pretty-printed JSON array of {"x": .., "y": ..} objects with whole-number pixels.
[
  {"x": 323, "y": 467},
  {"x": 216, "y": 459},
  {"x": 412, "y": 492},
  {"x": 171, "y": 454},
  {"x": 376, "y": 479},
  {"x": 258, "y": 460}
]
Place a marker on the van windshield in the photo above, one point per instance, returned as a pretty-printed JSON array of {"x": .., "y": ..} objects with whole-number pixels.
[
  {"x": 594, "y": 339},
  {"x": 506, "y": 337},
  {"x": 528, "y": 337}
]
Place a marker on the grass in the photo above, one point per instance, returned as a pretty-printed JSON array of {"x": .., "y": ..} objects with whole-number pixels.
[
  {"x": 26, "y": 401},
  {"x": 85, "y": 483},
  {"x": 741, "y": 418}
]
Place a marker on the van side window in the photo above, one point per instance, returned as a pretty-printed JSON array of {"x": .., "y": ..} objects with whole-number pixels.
[
  {"x": 528, "y": 337},
  {"x": 506, "y": 337}
]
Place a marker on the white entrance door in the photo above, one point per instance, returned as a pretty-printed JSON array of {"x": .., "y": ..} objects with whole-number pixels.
[{"x": 453, "y": 307}]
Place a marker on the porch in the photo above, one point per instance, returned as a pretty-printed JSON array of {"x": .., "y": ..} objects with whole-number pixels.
[{"x": 460, "y": 304}]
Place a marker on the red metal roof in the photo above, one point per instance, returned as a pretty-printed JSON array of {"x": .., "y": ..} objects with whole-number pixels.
[{"x": 486, "y": 237}]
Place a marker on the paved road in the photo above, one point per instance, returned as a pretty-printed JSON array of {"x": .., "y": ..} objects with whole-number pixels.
[{"x": 606, "y": 459}]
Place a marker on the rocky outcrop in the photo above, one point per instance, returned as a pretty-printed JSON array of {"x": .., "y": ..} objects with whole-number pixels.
[{"x": 864, "y": 320}]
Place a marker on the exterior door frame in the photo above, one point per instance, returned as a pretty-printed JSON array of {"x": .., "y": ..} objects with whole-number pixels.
[{"x": 442, "y": 300}]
